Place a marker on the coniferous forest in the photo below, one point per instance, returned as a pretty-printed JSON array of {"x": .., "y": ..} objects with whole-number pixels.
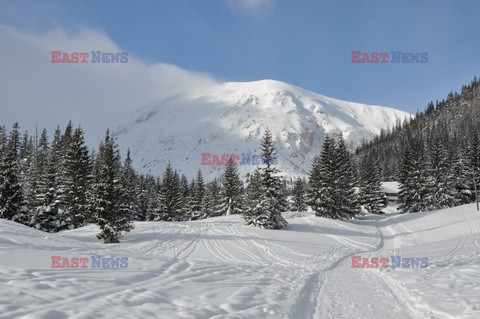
[
  {"x": 54, "y": 183},
  {"x": 435, "y": 156}
]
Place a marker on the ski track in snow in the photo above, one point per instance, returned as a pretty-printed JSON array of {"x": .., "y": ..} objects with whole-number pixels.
[
  {"x": 470, "y": 221},
  {"x": 220, "y": 268}
]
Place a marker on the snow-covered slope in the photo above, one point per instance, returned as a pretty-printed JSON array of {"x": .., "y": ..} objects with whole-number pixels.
[
  {"x": 230, "y": 118},
  {"x": 219, "y": 268}
]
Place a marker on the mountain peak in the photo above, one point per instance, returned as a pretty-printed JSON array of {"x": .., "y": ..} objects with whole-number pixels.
[{"x": 230, "y": 118}]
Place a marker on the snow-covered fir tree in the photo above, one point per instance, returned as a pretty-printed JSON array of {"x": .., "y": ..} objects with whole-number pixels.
[
  {"x": 3, "y": 140},
  {"x": 299, "y": 195},
  {"x": 146, "y": 192},
  {"x": 111, "y": 211},
  {"x": 346, "y": 201},
  {"x": 197, "y": 193},
  {"x": 11, "y": 192},
  {"x": 441, "y": 192},
  {"x": 184, "y": 190},
  {"x": 154, "y": 208},
  {"x": 132, "y": 188},
  {"x": 168, "y": 206},
  {"x": 463, "y": 178},
  {"x": 370, "y": 196},
  {"x": 332, "y": 180},
  {"x": 413, "y": 180},
  {"x": 79, "y": 175},
  {"x": 48, "y": 216},
  {"x": 231, "y": 193},
  {"x": 268, "y": 212},
  {"x": 253, "y": 191},
  {"x": 213, "y": 199},
  {"x": 321, "y": 192}
]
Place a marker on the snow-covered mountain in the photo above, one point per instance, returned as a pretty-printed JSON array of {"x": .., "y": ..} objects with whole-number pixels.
[{"x": 230, "y": 118}]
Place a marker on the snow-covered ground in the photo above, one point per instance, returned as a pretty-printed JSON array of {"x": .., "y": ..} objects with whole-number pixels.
[{"x": 219, "y": 268}]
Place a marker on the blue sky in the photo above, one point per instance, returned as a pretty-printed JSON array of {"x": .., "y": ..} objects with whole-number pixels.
[{"x": 305, "y": 43}]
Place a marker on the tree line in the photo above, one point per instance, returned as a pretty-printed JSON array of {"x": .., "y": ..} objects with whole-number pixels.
[
  {"x": 435, "y": 156},
  {"x": 61, "y": 184}
]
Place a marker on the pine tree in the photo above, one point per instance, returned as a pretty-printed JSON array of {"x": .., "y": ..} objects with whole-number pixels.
[
  {"x": 331, "y": 191},
  {"x": 112, "y": 213},
  {"x": 413, "y": 180},
  {"x": 168, "y": 197},
  {"x": 48, "y": 216},
  {"x": 78, "y": 173},
  {"x": 154, "y": 212},
  {"x": 253, "y": 192},
  {"x": 25, "y": 155},
  {"x": 213, "y": 199},
  {"x": 3, "y": 141},
  {"x": 198, "y": 193},
  {"x": 299, "y": 189},
  {"x": 346, "y": 203},
  {"x": 131, "y": 186},
  {"x": 441, "y": 191},
  {"x": 63, "y": 179},
  {"x": 371, "y": 196},
  {"x": 267, "y": 214},
  {"x": 146, "y": 192},
  {"x": 321, "y": 182},
  {"x": 472, "y": 162},
  {"x": 463, "y": 178},
  {"x": 11, "y": 194},
  {"x": 184, "y": 192},
  {"x": 231, "y": 194}
]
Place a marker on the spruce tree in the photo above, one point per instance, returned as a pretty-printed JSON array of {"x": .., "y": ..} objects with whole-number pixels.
[
  {"x": 132, "y": 188},
  {"x": 146, "y": 187},
  {"x": 154, "y": 212},
  {"x": 25, "y": 155},
  {"x": 11, "y": 193},
  {"x": 168, "y": 207},
  {"x": 63, "y": 180},
  {"x": 299, "y": 189},
  {"x": 78, "y": 173},
  {"x": 197, "y": 196},
  {"x": 213, "y": 199},
  {"x": 371, "y": 197},
  {"x": 267, "y": 213},
  {"x": 37, "y": 171},
  {"x": 346, "y": 203},
  {"x": 231, "y": 193},
  {"x": 463, "y": 178},
  {"x": 441, "y": 191},
  {"x": 413, "y": 180},
  {"x": 322, "y": 181},
  {"x": 3, "y": 141},
  {"x": 253, "y": 191},
  {"x": 112, "y": 213},
  {"x": 49, "y": 216},
  {"x": 184, "y": 192}
]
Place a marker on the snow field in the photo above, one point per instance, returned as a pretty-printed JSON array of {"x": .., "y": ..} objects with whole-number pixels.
[{"x": 219, "y": 268}]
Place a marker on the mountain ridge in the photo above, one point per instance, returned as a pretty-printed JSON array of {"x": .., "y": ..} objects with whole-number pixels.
[{"x": 230, "y": 118}]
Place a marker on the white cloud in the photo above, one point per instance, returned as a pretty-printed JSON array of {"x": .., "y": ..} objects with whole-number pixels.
[
  {"x": 34, "y": 91},
  {"x": 252, "y": 7}
]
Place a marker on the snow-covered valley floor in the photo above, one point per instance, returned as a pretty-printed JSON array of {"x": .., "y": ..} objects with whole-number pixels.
[{"x": 219, "y": 268}]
